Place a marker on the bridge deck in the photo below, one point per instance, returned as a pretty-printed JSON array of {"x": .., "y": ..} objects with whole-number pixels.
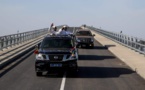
[
  {"x": 133, "y": 59},
  {"x": 99, "y": 69}
]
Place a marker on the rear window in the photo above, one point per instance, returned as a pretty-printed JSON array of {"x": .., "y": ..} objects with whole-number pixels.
[
  {"x": 57, "y": 43},
  {"x": 83, "y": 33}
]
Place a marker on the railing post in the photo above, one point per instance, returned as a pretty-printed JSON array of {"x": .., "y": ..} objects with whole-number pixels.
[
  {"x": 2, "y": 43},
  {"x": 11, "y": 42},
  {"x": 6, "y": 42},
  {"x": 18, "y": 39},
  {"x": 14, "y": 38}
]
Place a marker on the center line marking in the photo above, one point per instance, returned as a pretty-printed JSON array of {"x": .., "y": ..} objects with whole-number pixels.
[{"x": 63, "y": 82}]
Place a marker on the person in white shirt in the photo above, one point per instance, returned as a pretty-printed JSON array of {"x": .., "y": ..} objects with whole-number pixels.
[
  {"x": 64, "y": 31},
  {"x": 60, "y": 30},
  {"x": 54, "y": 30}
]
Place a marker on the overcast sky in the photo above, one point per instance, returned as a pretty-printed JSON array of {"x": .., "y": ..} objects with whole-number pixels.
[{"x": 112, "y": 15}]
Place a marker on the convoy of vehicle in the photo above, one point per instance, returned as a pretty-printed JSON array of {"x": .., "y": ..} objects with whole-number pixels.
[
  {"x": 84, "y": 38},
  {"x": 60, "y": 52}
]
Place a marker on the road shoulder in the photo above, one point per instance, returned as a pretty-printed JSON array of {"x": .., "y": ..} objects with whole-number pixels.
[{"x": 133, "y": 59}]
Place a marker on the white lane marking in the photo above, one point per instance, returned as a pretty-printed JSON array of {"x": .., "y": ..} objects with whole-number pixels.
[{"x": 63, "y": 82}]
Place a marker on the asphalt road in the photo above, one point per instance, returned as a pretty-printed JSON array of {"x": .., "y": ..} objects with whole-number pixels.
[{"x": 99, "y": 69}]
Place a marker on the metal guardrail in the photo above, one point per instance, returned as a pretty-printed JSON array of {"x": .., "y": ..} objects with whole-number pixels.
[
  {"x": 16, "y": 39},
  {"x": 134, "y": 43}
]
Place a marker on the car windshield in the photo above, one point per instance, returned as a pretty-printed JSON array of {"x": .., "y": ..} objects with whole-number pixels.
[
  {"x": 83, "y": 33},
  {"x": 57, "y": 43}
]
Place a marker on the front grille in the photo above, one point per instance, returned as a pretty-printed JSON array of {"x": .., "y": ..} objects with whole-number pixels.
[
  {"x": 56, "y": 57},
  {"x": 86, "y": 40}
]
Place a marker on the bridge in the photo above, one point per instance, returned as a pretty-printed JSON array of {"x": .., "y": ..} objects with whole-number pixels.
[{"x": 117, "y": 62}]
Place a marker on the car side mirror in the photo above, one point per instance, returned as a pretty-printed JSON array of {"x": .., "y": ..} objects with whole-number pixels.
[
  {"x": 37, "y": 46},
  {"x": 93, "y": 34}
]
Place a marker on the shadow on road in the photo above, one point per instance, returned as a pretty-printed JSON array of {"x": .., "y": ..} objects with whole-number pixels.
[
  {"x": 107, "y": 46},
  {"x": 100, "y": 47},
  {"x": 101, "y": 72},
  {"x": 18, "y": 60},
  {"x": 95, "y": 47},
  {"x": 95, "y": 57}
]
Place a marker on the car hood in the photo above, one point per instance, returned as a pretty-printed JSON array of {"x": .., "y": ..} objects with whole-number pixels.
[
  {"x": 55, "y": 51},
  {"x": 83, "y": 36}
]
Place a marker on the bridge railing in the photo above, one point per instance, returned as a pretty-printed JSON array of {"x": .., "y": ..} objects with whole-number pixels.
[
  {"x": 16, "y": 39},
  {"x": 134, "y": 43}
]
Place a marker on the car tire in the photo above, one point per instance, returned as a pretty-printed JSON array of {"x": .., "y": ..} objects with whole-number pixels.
[
  {"x": 73, "y": 73},
  {"x": 77, "y": 46},
  {"x": 38, "y": 73},
  {"x": 91, "y": 46}
]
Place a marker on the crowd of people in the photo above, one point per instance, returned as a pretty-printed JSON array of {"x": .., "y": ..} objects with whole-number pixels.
[{"x": 61, "y": 31}]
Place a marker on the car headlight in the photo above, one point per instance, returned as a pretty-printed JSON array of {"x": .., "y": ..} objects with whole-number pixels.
[
  {"x": 78, "y": 40},
  {"x": 92, "y": 40},
  {"x": 39, "y": 57},
  {"x": 73, "y": 56}
]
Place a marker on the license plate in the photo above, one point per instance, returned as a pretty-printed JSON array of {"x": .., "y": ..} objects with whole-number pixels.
[
  {"x": 55, "y": 65},
  {"x": 84, "y": 45}
]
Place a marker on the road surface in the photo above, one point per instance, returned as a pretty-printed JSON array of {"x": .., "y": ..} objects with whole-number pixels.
[{"x": 99, "y": 69}]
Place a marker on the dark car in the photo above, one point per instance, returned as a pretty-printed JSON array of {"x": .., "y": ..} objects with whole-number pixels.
[
  {"x": 55, "y": 53},
  {"x": 84, "y": 38}
]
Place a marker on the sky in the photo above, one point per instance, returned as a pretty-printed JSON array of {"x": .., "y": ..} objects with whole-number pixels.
[{"x": 127, "y": 16}]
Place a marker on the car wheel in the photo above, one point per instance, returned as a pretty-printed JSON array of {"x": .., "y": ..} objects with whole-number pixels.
[
  {"x": 92, "y": 46},
  {"x": 38, "y": 73},
  {"x": 73, "y": 73}
]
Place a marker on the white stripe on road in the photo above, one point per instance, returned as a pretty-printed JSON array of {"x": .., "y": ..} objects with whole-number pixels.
[{"x": 63, "y": 82}]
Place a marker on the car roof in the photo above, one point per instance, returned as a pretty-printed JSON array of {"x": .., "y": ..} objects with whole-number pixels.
[
  {"x": 57, "y": 36},
  {"x": 82, "y": 30}
]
